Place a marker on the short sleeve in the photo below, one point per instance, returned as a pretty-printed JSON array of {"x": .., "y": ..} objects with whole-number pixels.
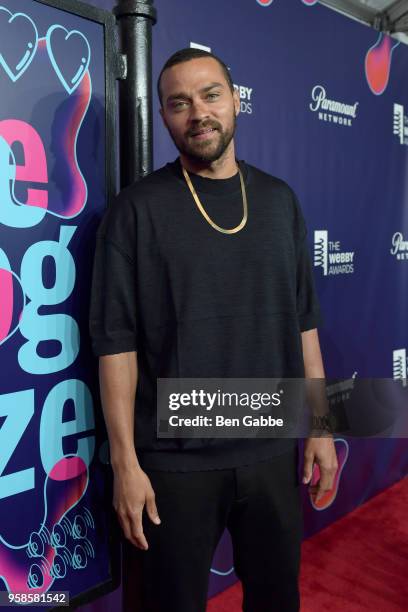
[
  {"x": 113, "y": 304},
  {"x": 307, "y": 302}
]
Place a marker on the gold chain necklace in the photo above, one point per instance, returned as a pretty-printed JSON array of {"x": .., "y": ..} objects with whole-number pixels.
[{"x": 234, "y": 230}]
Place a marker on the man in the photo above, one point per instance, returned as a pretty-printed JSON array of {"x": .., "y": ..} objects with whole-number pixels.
[{"x": 202, "y": 270}]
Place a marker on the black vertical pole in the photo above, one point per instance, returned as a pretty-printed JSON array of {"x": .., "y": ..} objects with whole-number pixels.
[{"x": 135, "y": 19}]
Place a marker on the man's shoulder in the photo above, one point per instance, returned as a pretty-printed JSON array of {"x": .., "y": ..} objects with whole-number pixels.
[
  {"x": 278, "y": 190},
  {"x": 130, "y": 206}
]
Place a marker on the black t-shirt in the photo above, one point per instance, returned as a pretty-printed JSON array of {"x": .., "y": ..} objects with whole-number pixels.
[{"x": 197, "y": 303}]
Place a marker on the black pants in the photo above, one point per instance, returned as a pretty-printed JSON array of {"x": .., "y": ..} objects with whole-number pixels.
[{"x": 260, "y": 505}]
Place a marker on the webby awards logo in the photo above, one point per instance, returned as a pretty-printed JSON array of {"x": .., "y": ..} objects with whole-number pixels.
[
  {"x": 400, "y": 124},
  {"x": 400, "y": 365},
  {"x": 329, "y": 256}
]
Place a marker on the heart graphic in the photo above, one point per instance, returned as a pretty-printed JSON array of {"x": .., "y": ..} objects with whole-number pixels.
[
  {"x": 378, "y": 63},
  {"x": 70, "y": 54},
  {"x": 23, "y": 29}
]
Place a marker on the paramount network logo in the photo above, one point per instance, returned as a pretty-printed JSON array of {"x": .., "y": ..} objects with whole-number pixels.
[
  {"x": 399, "y": 246},
  {"x": 400, "y": 125},
  {"x": 329, "y": 256},
  {"x": 330, "y": 110},
  {"x": 400, "y": 365},
  {"x": 244, "y": 92}
]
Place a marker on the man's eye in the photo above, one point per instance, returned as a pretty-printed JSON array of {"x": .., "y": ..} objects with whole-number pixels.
[
  {"x": 213, "y": 94},
  {"x": 178, "y": 104}
]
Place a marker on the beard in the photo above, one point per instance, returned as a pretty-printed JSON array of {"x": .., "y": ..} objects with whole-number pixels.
[{"x": 207, "y": 150}]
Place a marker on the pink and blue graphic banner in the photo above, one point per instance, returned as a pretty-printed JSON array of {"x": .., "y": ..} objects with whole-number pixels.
[{"x": 53, "y": 500}]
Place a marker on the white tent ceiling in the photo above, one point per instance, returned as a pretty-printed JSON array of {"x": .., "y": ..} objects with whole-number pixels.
[{"x": 389, "y": 16}]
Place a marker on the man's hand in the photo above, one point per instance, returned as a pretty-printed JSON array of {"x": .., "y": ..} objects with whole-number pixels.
[
  {"x": 131, "y": 491},
  {"x": 323, "y": 452}
]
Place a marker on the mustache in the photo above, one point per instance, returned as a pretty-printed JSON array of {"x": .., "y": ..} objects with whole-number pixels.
[{"x": 203, "y": 126}]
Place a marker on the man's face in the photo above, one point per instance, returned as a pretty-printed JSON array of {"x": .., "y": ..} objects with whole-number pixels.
[{"x": 199, "y": 109}]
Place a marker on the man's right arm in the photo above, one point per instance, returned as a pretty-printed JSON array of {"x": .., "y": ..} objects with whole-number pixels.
[
  {"x": 118, "y": 380},
  {"x": 114, "y": 334},
  {"x": 132, "y": 488}
]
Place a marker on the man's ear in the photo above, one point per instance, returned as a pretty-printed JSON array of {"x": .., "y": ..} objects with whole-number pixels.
[
  {"x": 237, "y": 102},
  {"x": 162, "y": 116}
]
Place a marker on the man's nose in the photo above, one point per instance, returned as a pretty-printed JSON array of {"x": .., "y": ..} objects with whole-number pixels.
[{"x": 198, "y": 110}]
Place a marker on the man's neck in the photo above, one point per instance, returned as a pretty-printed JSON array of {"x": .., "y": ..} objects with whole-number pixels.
[{"x": 222, "y": 168}]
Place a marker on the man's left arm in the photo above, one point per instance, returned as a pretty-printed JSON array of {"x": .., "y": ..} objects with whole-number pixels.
[{"x": 320, "y": 450}]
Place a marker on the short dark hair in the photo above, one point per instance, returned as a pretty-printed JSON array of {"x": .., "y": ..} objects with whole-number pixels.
[{"x": 187, "y": 54}]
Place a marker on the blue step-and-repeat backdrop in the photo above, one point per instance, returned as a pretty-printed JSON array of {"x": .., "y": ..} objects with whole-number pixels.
[{"x": 324, "y": 105}]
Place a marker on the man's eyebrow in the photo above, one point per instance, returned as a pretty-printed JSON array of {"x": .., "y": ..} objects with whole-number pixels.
[{"x": 182, "y": 94}]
